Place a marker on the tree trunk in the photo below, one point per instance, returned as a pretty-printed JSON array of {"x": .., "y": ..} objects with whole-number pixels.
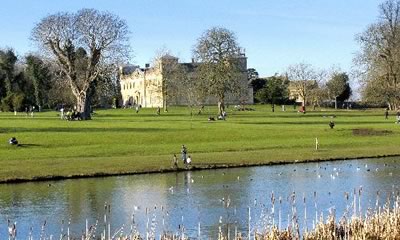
[
  {"x": 88, "y": 107},
  {"x": 83, "y": 106},
  {"x": 304, "y": 105},
  {"x": 165, "y": 107},
  {"x": 221, "y": 107},
  {"x": 336, "y": 102}
]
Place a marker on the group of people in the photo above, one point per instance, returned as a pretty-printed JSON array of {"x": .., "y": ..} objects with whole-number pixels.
[
  {"x": 29, "y": 111},
  {"x": 397, "y": 115},
  {"x": 220, "y": 117},
  {"x": 187, "y": 160},
  {"x": 71, "y": 115}
]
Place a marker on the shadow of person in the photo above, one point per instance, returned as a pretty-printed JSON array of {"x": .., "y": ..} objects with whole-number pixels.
[{"x": 28, "y": 145}]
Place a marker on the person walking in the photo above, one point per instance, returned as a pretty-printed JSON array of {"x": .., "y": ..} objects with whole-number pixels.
[
  {"x": 386, "y": 113},
  {"x": 184, "y": 152},
  {"x": 175, "y": 162},
  {"x": 31, "y": 110},
  {"x": 62, "y": 112}
]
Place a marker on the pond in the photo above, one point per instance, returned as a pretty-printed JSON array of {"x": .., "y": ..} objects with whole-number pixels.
[{"x": 204, "y": 202}]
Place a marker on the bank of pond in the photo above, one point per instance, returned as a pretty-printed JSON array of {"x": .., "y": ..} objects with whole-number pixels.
[{"x": 348, "y": 199}]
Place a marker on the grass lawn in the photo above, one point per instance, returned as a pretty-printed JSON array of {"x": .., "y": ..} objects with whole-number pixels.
[{"x": 121, "y": 141}]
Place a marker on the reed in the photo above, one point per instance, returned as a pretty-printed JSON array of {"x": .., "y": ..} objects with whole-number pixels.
[{"x": 381, "y": 222}]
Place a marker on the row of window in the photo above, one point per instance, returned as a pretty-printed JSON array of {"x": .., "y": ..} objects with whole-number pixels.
[
  {"x": 128, "y": 86},
  {"x": 148, "y": 83}
]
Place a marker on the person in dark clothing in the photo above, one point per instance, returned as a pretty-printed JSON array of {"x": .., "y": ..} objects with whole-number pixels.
[
  {"x": 184, "y": 152},
  {"x": 13, "y": 141}
]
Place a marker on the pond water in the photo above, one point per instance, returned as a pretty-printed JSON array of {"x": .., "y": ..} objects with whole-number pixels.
[{"x": 231, "y": 198}]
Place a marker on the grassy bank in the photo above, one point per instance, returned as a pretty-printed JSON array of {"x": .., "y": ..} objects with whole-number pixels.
[{"x": 121, "y": 141}]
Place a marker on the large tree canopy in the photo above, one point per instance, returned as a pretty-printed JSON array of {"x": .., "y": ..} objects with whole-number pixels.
[
  {"x": 379, "y": 58},
  {"x": 101, "y": 36},
  {"x": 40, "y": 76},
  {"x": 339, "y": 87},
  {"x": 12, "y": 82},
  {"x": 275, "y": 91},
  {"x": 8, "y": 60},
  {"x": 218, "y": 52}
]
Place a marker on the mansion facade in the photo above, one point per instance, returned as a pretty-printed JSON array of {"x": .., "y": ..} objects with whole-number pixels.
[{"x": 144, "y": 86}]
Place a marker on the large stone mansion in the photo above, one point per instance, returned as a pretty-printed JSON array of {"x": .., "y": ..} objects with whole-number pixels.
[{"x": 143, "y": 86}]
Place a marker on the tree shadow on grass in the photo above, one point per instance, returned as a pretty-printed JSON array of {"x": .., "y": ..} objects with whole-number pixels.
[
  {"x": 310, "y": 123},
  {"x": 305, "y": 116},
  {"x": 85, "y": 130}
]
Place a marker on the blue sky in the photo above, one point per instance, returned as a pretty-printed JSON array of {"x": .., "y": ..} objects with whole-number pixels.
[{"x": 275, "y": 34}]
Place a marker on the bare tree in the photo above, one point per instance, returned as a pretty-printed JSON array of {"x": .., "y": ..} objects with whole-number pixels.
[
  {"x": 303, "y": 79},
  {"x": 101, "y": 35},
  {"x": 318, "y": 95},
  {"x": 172, "y": 74},
  {"x": 379, "y": 58},
  {"x": 218, "y": 52}
]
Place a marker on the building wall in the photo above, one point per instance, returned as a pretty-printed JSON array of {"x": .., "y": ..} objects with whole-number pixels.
[{"x": 143, "y": 86}]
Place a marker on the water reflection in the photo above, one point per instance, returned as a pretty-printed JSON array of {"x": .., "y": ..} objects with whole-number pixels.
[{"x": 225, "y": 200}]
